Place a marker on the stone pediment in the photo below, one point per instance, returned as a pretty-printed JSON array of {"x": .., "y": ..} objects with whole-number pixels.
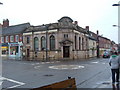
[{"x": 66, "y": 42}]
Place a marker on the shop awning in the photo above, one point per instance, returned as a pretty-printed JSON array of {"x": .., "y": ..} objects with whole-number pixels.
[{"x": 4, "y": 44}]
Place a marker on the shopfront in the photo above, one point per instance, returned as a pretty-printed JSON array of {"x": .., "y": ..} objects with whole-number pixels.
[
  {"x": 15, "y": 49},
  {"x": 4, "y": 48}
]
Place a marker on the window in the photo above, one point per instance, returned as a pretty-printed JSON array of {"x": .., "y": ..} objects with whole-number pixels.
[
  {"x": 75, "y": 42},
  {"x": 43, "y": 43},
  {"x": 17, "y": 38},
  {"x": 79, "y": 43},
  {"x": 36, "y": 43},
  {"x": 65, "y": 36},
  {"x": 52, "y": 42},
  {"x": 2, "y": 39},
  {"x": 28, "y": 39},
  {"x": 11, "y": 38},
  {"x": 82, "y": 43},
  {"x": 6, "y": 38}
]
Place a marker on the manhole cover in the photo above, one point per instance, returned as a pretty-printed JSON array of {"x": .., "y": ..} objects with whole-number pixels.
[
  {"x": 48, "y": 75},
  {"x": 106, "y": 83}
]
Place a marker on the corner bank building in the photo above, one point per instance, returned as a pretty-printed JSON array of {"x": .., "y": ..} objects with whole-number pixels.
[{"x": 61, "y": 40}]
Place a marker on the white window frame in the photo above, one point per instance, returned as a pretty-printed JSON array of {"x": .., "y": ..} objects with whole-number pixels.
[
  {"x": 11, "y": 38},
  {"x": 2, "y": 39},
  {"x": 6, "y": 38},
  {"x": 17, "y": 38}
]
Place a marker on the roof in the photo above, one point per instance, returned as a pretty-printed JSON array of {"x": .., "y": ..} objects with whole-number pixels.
[
  {"x": 53, "y": 26},
  {"x": 64, "y": 18},
  {"x": 15, "y": 29},
  {"x": 92, "y": 38}
]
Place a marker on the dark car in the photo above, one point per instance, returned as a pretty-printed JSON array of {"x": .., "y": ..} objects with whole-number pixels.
[{"x": 106, "y": 54}]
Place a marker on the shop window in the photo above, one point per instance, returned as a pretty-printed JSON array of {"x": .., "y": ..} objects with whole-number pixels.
[
  {"x": 11, "y": 38},
  {"x": 17, "y": 38},
  {"x": 13, "y": 50},
  {"x": 52, "y": 42},
  {"x": 36, "y": 43},
  {"x": 43, "y": 43}
]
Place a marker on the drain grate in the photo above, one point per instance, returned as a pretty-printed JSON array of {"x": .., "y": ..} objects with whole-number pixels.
[{"x": 48, "y": 75}]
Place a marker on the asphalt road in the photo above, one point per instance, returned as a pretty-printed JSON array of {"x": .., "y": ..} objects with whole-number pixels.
[{"x": 31, "y": 74}]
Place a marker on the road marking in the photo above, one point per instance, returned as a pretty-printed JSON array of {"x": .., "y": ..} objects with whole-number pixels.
[
  {"x": 94, "y": 62},
  {"x": 37, "y": 67},
  {"x": 11, "y": 80},
  {"x": 60, "y": 67}
]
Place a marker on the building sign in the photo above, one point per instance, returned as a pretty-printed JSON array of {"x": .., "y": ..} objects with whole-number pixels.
[{"x": 14, "y": 44}]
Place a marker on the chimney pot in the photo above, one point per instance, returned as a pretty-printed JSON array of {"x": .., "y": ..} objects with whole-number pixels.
[{"x": 5, "y": 23}]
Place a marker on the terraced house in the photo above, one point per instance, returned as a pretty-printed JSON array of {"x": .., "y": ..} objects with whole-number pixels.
[
  {"x": 61, "y": 40},
  {"x": 11, "y": 39}
]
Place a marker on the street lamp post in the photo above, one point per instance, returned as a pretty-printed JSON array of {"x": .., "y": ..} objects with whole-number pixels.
[
  {"x": 98, "y": 55},
  {"x": 118, "y": 37},
  {"x": 46, "y": 43},
  {"x": 118, "y": 20}
]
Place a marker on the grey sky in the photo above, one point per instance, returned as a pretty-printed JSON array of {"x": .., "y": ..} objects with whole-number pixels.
[{"x": 97, "y": 14}]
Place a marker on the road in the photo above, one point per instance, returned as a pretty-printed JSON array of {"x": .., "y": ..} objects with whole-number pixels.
[{"x": 31, "y": 74}]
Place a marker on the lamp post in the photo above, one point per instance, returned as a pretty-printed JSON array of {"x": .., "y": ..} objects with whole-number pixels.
[
  {"x": 118, "y": 37},
  {"x": 46, "y": 43},
  {"x": 118, "y": 21},
  {"x": 98, "y": 55},
  {"x": 118, "y": 32}
]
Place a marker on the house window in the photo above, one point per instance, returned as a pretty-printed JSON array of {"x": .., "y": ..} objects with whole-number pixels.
[
  {"x": 17, "y": 38},
  {"x": 52, "y": 42},
  {"x": 43, "y": 43},
  {"x": 2, "y": 39},
  {"x": 28, "y": 39},
  {"x": 6, "y": 38},
  {"x": 36, "y": 43},
  {"x": 65, "y": 36},
  {"x": 11, "y": 38}
]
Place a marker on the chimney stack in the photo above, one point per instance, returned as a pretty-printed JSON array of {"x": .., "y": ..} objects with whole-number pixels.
[
  {"x": 76, "y": 22},
  {"x": 97, "y": 32},
  {"x": 87, "y": 28},
  {"x": 5, "y": 23}
]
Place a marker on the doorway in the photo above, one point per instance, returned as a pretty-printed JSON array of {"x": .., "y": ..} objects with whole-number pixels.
[
  {"x": 28, "y": 52},
  {"x": 66, "y": 52}
]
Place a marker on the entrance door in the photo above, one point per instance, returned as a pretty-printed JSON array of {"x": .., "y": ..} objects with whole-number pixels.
[
  {"x": 66, "y": 51},
  {"x": 28, "y": 52}
]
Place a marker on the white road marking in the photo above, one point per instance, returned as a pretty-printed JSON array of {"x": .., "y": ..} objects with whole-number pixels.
[
  {"x": 94, "y": 62},
  {"x": 36, "y": 67},
  {"x": 60, "y": 67},
  {"x": 11, "y": 80}
]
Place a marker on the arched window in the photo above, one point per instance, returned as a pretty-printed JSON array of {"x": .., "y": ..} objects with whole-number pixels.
[
  {"x": 79, "y": 43},
  {"x": 36, "y": 44},
  {"x": 43, "y": 43},
  {"x": 75, "y": 42},
  {"x": 52, "y": 42}
]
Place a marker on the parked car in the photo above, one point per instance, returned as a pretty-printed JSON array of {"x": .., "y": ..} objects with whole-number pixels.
[{"x": 106, "y": 54}]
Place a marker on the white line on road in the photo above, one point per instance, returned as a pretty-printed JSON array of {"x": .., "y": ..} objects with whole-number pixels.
[
  {"x": 94, "y": 62},
  {"x": 11, "y": 80}
]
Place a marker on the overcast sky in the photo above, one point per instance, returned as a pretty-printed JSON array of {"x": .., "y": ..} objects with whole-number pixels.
[{"x": 97, "y": 14}]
